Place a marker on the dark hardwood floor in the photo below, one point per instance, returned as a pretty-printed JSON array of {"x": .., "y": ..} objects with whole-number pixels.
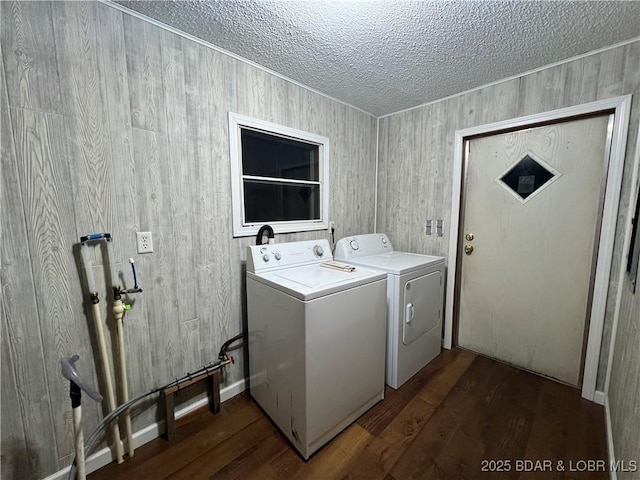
[{"x": 458, "y": 414}]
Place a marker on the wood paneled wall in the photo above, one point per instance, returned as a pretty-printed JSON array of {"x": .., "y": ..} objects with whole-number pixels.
[
  {"x": 624, "y": 386},
  {"x": 416, "y": 147},
  {"x": 110, "y": 123},
  {"x": 624, "y": 383}
]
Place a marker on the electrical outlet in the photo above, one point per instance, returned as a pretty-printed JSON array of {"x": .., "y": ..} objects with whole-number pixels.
[
  {"x": 145, "y": 242},
  {"x": 332, "y": 225}
]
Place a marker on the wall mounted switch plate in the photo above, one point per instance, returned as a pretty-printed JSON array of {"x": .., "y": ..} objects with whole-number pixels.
[
  {"x": 440, "y": 228},
  {"x": 427, "y": 227}
]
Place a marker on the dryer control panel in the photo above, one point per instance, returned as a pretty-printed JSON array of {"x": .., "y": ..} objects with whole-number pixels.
[
  {"x": 363, "y": 245},
  {"x": 263, "y": 258}
]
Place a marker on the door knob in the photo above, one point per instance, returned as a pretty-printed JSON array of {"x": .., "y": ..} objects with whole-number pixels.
[
  {"x": 468, "y": 249},
  {"x": 469, "y": 236}
]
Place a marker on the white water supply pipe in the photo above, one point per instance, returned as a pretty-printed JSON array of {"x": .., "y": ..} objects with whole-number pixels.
[
  {"x": 102, "y": 346},
  {"x": 118, "y": 313},
  {"x": 79, "y": 443},
  {"x": 77, "y": 385}
]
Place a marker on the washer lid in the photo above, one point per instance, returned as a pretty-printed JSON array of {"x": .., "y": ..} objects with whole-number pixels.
[
  {"x": 313, "y": 281},
  {"x": 398, "y": 263}
]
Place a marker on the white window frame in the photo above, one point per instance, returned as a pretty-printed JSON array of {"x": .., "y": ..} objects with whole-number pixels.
[{"x": 241, "y": 228}]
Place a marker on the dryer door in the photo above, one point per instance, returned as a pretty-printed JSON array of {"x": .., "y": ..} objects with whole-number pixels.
[{"x": 422, "y": 308}]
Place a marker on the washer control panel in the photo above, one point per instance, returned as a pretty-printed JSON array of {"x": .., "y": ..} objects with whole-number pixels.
[{"x": 279, "y": 255}]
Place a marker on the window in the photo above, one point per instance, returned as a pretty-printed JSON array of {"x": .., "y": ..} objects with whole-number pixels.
[
  {"x": 279, "y": 176},
  {"x": 527, "y": 177}
]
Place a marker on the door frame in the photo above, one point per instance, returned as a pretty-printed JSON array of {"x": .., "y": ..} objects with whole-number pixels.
[{"x": 621, "y": 108}]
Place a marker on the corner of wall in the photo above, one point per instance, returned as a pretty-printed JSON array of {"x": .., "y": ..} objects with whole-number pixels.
[{"x": 375, "y": 193}]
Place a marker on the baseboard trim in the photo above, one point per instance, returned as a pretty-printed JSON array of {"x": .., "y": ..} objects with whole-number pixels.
[
  {"x": 149, "y": 433},
  {"x": 599, "y": 397},
  {"x": 610, "y": 451}
]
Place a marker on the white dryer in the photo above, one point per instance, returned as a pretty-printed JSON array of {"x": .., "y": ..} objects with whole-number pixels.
[
  {"x": 316, "y": 340},
  {"x": 415, "y": 296}
]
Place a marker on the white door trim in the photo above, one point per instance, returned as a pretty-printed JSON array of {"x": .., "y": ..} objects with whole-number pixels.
[{"x": 621, "y": 107}]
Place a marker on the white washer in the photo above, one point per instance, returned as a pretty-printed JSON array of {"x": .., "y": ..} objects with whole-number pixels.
[
  {"x": 415, "y": 296},
  {"x": 316, "y": 340}
]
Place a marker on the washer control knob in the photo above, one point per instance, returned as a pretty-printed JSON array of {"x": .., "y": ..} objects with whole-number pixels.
[
  {"x": 384, "y": 240},
  {"x": 265, "y": 257},
  {"x": 354, "y": 244},
  {"x": 277, "y": 255},
  {"x": 318, "y": 251}
]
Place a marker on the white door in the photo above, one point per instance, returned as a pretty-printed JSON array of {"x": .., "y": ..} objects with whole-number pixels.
[{"x": 531, "y": 211}]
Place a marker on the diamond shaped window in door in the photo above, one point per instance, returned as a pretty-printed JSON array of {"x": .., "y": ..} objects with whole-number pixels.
[{"x": 528, "y": 177}]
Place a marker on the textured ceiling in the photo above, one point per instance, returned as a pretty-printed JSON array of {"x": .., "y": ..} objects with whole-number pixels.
[{"x": 383, "y": 56}]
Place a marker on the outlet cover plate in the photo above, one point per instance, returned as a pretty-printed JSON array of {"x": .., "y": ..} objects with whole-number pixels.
[{"x": 145, "y": 242}]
